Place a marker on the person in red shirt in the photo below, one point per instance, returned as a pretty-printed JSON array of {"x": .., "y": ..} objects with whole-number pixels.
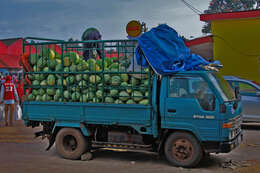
[{"x": 9, "y": 96}]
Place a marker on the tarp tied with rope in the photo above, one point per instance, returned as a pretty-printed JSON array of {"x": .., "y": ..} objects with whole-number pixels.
[{"x": 166, "y": 52}]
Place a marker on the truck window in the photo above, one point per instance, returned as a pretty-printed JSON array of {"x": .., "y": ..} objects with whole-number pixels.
[
  {"x": 223, "y": 87},
  {"x": 245, "y": 87},
  {"x": 178, "y": 87},
  {"x": 192, "y": 87}
]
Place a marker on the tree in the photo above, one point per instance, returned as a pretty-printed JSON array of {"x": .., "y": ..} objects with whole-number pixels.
[{"x": 220, "y": 6}]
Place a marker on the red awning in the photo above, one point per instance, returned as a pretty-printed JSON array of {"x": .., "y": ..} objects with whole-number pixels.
[
  {"x": 9, "y": 61},
  {"x": 17, "y": 48},
  {"x": 3, "y": 48},
  {"x": 230, "y": 15},
  {"x": 200, "y": 40}
]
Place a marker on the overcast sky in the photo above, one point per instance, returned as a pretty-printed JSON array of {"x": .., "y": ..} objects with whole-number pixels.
[{"x": 62, "y": 19}]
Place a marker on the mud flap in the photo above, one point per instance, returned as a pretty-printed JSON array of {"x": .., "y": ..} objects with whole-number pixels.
[{"x": 51, "y": 142}]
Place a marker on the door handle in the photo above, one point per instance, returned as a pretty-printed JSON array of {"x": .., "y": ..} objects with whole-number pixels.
[{"x": 172, "y": 110}]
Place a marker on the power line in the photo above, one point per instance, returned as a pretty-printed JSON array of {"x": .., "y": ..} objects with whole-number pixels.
[
  {"x": 190, "y": 6},
  {"x": 234, "y": 48}
]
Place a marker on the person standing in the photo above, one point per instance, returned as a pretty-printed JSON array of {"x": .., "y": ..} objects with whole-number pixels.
[
  {"x": 88, "y": 48},
  {"x": 9, "y": 96},
  {"x": 2, "y": 79}
]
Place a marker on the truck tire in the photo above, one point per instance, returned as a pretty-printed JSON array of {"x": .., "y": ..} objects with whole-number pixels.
[
  {"x": 70, "y": 143},
  {"x": 183, "y": 149}
]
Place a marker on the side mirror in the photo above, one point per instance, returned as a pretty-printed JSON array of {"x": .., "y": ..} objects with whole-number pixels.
[{"x": 237, "y": 94}]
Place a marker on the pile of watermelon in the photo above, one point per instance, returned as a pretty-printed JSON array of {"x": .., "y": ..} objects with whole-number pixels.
[{"x": 72, "y": 79}]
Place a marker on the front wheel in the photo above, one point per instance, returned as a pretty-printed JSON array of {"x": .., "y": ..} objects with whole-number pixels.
[
  {"x": 70, "y": 143},
  {"x": 183, "y": 149}
]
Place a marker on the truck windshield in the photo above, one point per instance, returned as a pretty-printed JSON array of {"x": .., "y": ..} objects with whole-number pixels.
[{"x": 226, "y": 91}]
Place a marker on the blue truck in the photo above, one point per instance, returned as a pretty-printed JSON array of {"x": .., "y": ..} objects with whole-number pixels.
[{"x": 187, "y": 114}]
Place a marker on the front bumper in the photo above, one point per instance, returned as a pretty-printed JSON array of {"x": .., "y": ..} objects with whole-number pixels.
[{"x": 228, "y": 146}]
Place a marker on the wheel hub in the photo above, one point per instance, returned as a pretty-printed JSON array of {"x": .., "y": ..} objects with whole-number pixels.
[
  {"x": 70, "y": 143},
  {"x": 182, "y": 150}
]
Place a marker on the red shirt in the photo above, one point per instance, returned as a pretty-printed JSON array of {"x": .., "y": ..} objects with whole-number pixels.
[{"x": 8, "y": 90}]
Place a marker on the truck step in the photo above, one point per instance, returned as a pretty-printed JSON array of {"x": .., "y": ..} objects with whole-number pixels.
[{"x": 96, "y": 144}]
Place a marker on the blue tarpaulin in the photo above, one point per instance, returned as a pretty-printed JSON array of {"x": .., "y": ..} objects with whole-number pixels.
[{"x": 166, "y": 52}]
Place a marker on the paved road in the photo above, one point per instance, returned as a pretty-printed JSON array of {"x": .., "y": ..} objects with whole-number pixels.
[{"x": 21, "y": 153}]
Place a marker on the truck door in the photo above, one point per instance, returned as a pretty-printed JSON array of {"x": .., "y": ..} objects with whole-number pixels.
[{"x": 190, "y": 104}]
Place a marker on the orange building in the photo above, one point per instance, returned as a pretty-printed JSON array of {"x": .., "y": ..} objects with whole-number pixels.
[{"x": 236, "y": 42}]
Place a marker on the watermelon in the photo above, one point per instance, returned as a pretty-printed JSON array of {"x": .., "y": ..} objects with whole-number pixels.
[
  {"x": 51, "y": 80},
  {"x": 73, "y": 68},
  {"x": 109, "y": 100},
  {"x": 50, "y": 91},
  {"x": 58, "y": 67},
  {"x": 94, "y": 79},
  {"x": 144, "y": 102},
  {"x": 52, "y": 64},
  {"x": 31, "y": 97},
  {"x": 137, "y": 96},
  {"x": 33, "y": 59},
  {"x": 36, "y": 82},
  {"x": 116, "y": 80},
  {"x": 130, "y": 101},
  {"x": 99, "y": 94},
  {"x": 124, "y": 77},
  {"x": 73, "y": 57},
  {"x": 41, "y": 91},
  {"x": 113, "y": 92},
  {"x": 123, "y": 96}
]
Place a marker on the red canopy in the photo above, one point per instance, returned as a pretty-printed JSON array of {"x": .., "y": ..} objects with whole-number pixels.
[
  {"x": 17, "y": 48},
  {"x": 10, "y": 53},
  {"x": 3, "y": 48},
  {"x": 9, "y": 61}
]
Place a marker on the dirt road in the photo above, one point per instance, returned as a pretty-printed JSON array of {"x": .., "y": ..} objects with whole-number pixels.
[{"x": 21, "y": 153}]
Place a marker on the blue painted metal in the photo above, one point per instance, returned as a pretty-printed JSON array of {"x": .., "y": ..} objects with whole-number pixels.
[
  {"x": 67, "y": 124},
  {"x": 133, "y": 115}
]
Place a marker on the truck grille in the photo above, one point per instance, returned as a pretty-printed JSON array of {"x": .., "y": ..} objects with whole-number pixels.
[{"x": 236, "y": 128}]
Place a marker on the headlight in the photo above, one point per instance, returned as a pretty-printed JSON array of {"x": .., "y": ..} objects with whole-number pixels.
[{"x": 233, "y": 133}]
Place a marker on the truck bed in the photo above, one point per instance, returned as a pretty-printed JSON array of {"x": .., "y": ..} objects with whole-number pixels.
[{"x": 89, "y": 113}]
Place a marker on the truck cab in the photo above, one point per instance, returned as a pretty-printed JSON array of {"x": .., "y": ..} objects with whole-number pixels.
[{"x": 203, "y": 105}]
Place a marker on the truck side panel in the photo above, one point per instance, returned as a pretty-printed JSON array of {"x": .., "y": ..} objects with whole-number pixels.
[{"x": 136, "y": 116}]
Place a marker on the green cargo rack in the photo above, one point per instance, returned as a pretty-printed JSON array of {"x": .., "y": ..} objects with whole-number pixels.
[{"x": 59, "y": 72}]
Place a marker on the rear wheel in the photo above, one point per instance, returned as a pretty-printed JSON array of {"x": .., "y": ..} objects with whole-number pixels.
[
  {"x": 183, "y": 149},
  {"x": 70, "y": 143}
]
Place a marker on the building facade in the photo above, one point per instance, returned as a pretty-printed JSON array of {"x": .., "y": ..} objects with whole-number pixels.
[{"x": 236, "y": 42}]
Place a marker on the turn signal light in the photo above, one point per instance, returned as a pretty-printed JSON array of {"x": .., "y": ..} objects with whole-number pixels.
[{"x": 226, "y": 125}]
